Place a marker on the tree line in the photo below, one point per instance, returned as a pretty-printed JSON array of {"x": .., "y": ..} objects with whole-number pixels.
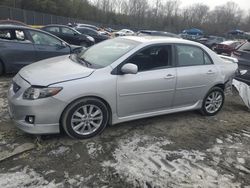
[{"x": 164, "y": 15}]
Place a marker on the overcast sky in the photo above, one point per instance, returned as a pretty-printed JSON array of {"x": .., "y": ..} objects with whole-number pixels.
[{"x": 244, "y": 4}]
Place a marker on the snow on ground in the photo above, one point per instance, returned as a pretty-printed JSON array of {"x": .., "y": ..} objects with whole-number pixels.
[
  {"x": 143, "y": 161},
  {"x": 3, "y": 102},
  {"x": 59, "y": 151},
  {"x": 94, "y": 149},
  {"x": 27, "y": 177},
  {"x": 24, "y": 178}
]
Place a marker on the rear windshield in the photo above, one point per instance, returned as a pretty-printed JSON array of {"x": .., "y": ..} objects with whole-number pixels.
[{"x": 245, "y": 47}]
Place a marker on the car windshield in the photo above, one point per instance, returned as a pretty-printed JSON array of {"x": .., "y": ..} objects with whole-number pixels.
[
  {"x": 245, "y": 47},
  {"x": 105, "y": 53}
]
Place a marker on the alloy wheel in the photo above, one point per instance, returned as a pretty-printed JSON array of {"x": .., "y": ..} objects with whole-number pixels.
[
  {"x": 87, "y": 119},
  {"x": 213, "y": 102}
]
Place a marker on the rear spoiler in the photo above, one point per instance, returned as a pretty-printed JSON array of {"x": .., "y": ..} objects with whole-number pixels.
[{"x": 229, "y": 59}]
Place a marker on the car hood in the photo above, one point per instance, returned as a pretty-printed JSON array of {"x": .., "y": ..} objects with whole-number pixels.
[{"x": 54, "y": 70}]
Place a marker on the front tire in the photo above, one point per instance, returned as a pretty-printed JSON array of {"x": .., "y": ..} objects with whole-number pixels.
[
  {"x": 213, "y": 102},
  {"x": 85, "y": 118}
]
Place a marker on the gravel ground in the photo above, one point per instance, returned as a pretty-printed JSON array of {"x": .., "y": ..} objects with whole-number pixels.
[{"x": 177, "y": 150}]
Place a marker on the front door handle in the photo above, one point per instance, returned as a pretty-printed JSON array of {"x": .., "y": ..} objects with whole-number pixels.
[
  {"x": 169, "y": 76},
  {"x": 40, "y": 48},
  {"x": 210, "y": 72}
]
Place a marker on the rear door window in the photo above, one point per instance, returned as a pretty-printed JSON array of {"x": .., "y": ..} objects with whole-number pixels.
[
  {"x": 67, "y": 31},
  {"x": 91, "y": 32},
  {"x": 53, "y": 29},
  {"x": 5, "y": 34},
  {"x": 190, "y": 56}
]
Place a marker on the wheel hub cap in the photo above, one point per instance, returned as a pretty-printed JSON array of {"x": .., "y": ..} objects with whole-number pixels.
[
  {"x": 86, "y": 119},
  {"x": 213, "y": 102}
]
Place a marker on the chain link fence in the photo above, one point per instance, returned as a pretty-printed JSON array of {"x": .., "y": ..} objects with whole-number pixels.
[{"x": 37, "y": 18}]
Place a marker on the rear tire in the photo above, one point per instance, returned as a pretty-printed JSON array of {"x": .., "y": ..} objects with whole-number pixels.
[
  {"x": 85, "y": 118},
  {"x": 213, "y": 102}
]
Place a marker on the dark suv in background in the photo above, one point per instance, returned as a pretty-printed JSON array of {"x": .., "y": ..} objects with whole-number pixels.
[
  {"x": 20, "y": 46},
  {"x": 243, "y": 56},
  {"x": 70, "y": 35}
]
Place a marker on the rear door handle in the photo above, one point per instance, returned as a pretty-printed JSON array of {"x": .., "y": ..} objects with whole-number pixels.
[{"x": 169, "y": 76}]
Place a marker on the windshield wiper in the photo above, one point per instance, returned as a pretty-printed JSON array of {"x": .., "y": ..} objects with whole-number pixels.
[{"x": 87, "y": 63}]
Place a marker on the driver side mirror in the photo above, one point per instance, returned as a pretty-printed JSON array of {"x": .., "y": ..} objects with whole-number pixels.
[
  {"x": 63, "y": 45},
  {"x": 129, "y": 68}
]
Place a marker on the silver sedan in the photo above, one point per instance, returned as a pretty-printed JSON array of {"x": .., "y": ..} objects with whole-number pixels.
[{"x": 118, "y": 80}]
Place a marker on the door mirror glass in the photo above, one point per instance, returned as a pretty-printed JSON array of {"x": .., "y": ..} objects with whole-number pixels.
[
  {"x": 64, "y": 45},
  {"x": 129, "y": 68},
  {"x": 61, "y": 46}
]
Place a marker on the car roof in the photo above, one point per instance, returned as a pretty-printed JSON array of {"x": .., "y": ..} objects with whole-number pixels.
[
  {"x": 86, "y": 24},
  {"x": 126, "y": 30},
  {"x": 10, "y": 26},
  {"x": 152, "y": 31},
  {"x": 165, "y": 33},
  {"x": 56, "y": 25},
  {"x": 79, "y": 28},
  {"x": 160, "y": 39}
]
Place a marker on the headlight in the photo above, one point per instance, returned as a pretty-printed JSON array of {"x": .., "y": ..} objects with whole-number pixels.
[
  {"x": 34, "y": 93},
  {"x": 91, "y": 38}
]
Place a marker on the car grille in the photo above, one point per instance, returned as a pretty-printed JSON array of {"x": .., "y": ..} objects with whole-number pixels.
[{"x": 16, "y": 87}]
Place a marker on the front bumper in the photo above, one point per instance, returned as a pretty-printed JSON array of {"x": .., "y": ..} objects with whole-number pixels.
[{"x": 47, "y": 111}]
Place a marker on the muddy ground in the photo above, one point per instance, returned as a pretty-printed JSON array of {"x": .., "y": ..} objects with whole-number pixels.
[{"x": 177, "y": 150}]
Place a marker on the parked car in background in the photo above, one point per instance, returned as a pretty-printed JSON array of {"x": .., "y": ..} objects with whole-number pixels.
[
  {"x": 110, "y": 30},
  {"x": 21, "y": 46},
  {"x": 227, "y": 47},
  {"x": 194, "y": 38},
  {"x": 93, "y": 33},
  {"x": 211, "y": 41},
  {"x": 157, "y": 33},
  {"x": 115, "y": 81},
  {"x": 124, "y": 32},
  {"x": 70, "y": 35},
  {"x": 242, "y": 53},
  {"x": 87, "y": 25}
]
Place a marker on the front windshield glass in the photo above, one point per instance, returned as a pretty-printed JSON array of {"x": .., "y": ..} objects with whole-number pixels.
[
  {"x": 105, "y": 53},
  {"x": 245, "y": 47}
]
